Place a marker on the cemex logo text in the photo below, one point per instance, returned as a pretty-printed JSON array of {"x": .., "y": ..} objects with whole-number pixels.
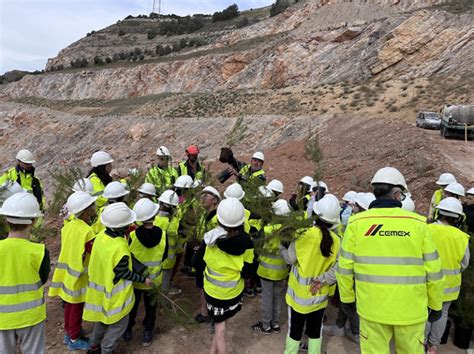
[{"x": 376, "y": 229}]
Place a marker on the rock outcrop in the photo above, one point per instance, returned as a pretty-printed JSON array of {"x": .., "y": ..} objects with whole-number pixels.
[{"x": 310, "y": 44}]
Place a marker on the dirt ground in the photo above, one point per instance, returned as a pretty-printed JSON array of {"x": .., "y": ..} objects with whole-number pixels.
[{"x": 353, "y": 152}]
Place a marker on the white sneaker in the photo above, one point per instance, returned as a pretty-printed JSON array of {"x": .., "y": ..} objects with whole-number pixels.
[{"x": 333, "y": 330}]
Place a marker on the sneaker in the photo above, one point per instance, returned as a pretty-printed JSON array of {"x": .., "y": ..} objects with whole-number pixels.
[
  {"x": 94, "y": 350},
  {"x": 66, "y": 339},
  {"x": 127, "y": 336},
  {"x": 333, "y": 330},
  {"x": 275, "y": 327},
  {"x": 353, "y": 337},
  {"x": 258, "y": 289},
  {"x": 201, "y": 318},
  {"x": 249, "y": 292},
  {"x": 147, "y": 338},
  {"x": 174, "y": 290},
  {"x": 304, "y": 346},
  {"x": 78, "y": 344},
  {"x": 259, "y": 328}
]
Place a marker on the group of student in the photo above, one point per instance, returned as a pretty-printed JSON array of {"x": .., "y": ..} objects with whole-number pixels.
[{"x": 116, "y": 251}]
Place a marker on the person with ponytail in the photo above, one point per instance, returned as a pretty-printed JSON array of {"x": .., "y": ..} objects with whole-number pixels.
[{"x": 313, "y": 256}]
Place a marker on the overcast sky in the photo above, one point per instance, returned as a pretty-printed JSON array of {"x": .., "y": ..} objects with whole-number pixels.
[{"x": 31, "y": 31}]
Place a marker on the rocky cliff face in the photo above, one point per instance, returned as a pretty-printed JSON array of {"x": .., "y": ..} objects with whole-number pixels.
[{"x": 311, "y": 44}]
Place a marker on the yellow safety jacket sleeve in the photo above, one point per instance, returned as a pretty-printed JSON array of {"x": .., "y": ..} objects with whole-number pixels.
[{"x": 345, "y": 267}]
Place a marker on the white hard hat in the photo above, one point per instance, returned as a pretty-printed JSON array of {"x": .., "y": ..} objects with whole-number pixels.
[
  {"x": 259, "y": 156},
  {"x": 9, "y": 188},
  {"x": 349, "y": 196},
  {"x": 450, "y": 207},
  {"x": 307, "y": 180},
  {"x": 281, "y": 207},
  {"x": 213, "y": 191},
  {"x": 327, "y": 209},
  {"x": 147, "y": 188},
  {"x": 79, "y": 201},
  {"x": 114, "y": 190},
  {"x": 231, "y": 212},
  {"x": 100, "y": 158},
  {"x": 322, "y": 185},
  {"x": 276, "y": 186},
  {"x": 364, "y": 200},
  {"x": 145, "y": 209},
  {"x": 456, "y": 188},
  {"x": 20, "y": 208},
  {"x": 169, "y": 197},
  {"x": 163, "y": 151},
  {"x": 83, "y": 185},
  {"x": 265, "y": 192},
  {"x": 445, "y": 179},
  {"x": 133, "y": 171},
  {"x": 25, "y": 156},
  {"x": 390, "y": 175},
  {"x": 408, "y": 204},
  {"x": 117, "y": 215},
  {"x": 234, "y": 191},
  {"x": 184, "y": 181},
  {"x": 470, "y": 191}
]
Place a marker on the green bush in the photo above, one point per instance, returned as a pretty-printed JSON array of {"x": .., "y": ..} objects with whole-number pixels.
[
  {"x": 151, "y": 34},
  {"x": 181, "y": 25},
  {"x": 227, "y": 14},
  {"x": 278, "y": 7},
  {"x": 243, "y": 22},
  {"x": 121, "y": 33}
]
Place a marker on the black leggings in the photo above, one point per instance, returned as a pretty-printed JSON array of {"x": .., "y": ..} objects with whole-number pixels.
[{"x": 313, "y": 321}]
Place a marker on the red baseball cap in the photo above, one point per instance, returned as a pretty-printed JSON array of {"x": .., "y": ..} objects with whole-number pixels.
[{"x": 192, "y": 150}]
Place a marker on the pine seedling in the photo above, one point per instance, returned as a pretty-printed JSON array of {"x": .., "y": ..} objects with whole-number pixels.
[
  {"x": 237, "y": 133},
  {"x": 314, "y": 153}
]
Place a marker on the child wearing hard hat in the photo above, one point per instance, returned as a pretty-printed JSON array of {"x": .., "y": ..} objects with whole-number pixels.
[
  {"x": 110, "y": 296},
  {"x": 223, "y": 259},
  {"x": 168, "y": 220},
  {"x": 313, "y": 257},
  {"x": 25, "y": 270},
  {"x": 453, "y": 249},
  {"x": 272, "y": 270},
  {"x": 210, "y": 198},
  {"x": 149, "y": 245},
  {"x": 70, "y": 276}
]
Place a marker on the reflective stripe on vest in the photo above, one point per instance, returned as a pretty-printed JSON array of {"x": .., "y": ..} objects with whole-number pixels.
[
  {"x": 114, "y": 291},
  {"x": 7, "y": 290},
  {"x": 451, "y": 271},
  {"x": 72, "y": 293},
  {"x": 22, "y": 307},
  {"x": 314, "y": 300},
  {"x": 222, "y": 284},
  {"x": 394, "y": 279},
  {"x": 452, "y": 290},
  {"x": 112, "y": 312},
  {"x": 299, "y": 278},
  {"x": 273, "y": 266},
  {"x": 71, "y": 271}
]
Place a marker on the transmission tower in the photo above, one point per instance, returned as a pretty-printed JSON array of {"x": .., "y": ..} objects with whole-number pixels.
[{"x": 154, "y": 7}]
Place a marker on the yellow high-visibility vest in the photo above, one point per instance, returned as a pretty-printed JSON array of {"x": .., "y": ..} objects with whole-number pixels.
[
  {"x": 390, "y": 255},
  {"x": 438, "y": 195},
  {"x": 271, "y": 264},
  {"x": 310, "y": 264},
  {"x": 251, "y": 176},
  {"x": 107, "y": 302},
  {"x": 152, "y": 258},
  {"x": 170, "y": 228},
  {"x": 98, "y": 190},
  {"x": 161, "y": 178},
  {"x": 451, "y": 243},
  {"x": 183, "y": 170},
  {"x": 222, "y": 278},
  {"x": 70, "y": 276},
  {"x": 25, "y": 180},
  {"x": 21, "y": 291}
]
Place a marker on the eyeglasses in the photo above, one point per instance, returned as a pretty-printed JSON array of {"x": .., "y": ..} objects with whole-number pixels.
[{"x": 402, "y": 196}]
